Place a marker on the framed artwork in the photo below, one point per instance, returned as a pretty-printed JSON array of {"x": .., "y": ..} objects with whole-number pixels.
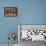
[
  {"x": 33, "y": 32},
  {"x": 10, "y": 11}
]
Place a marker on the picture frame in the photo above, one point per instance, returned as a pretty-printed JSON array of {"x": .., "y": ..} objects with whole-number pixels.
[
  {"x": 33, "y": 30},
  {"x": 10, "y": 11}
]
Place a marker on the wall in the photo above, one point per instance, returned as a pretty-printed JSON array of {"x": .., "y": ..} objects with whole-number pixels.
[
  {"x": 34, "y": 12},
  {"x": 8, "y": 24},
  {"x": 29, "y": 12}
]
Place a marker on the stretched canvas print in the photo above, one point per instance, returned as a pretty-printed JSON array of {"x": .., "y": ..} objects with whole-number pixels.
[{"x": 10, "y": 11}]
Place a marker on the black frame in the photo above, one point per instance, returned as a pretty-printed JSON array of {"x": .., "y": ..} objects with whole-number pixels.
[{"x": 16, "y": 14}]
